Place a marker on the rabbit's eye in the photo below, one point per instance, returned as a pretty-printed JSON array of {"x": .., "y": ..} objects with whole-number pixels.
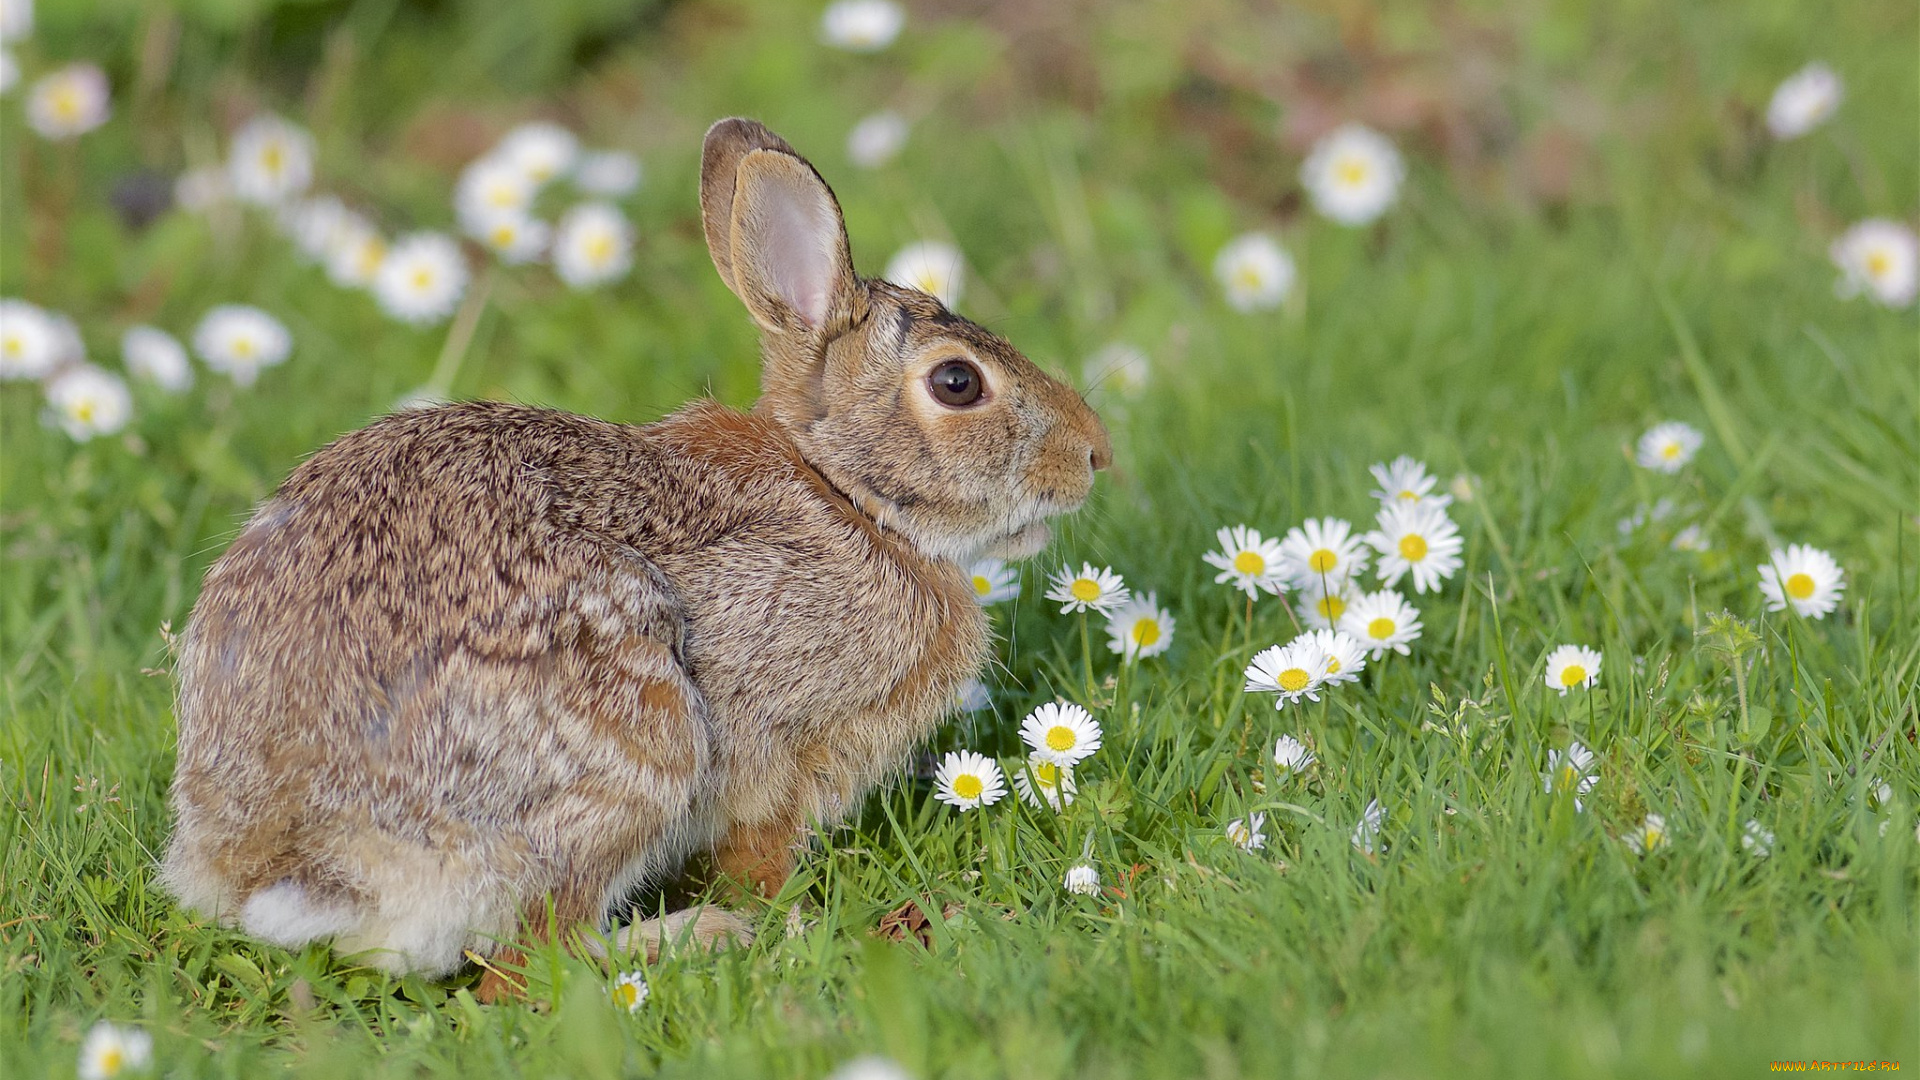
[{"x": 956, "y": 383}]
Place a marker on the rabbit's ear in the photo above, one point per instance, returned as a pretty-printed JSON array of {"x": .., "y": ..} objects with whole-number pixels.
[{"x": 773, "y": 228}]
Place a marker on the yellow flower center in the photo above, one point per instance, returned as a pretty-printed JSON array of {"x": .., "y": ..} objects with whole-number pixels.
[
  {"x": 1800, "y": 586},
  {"x": 243, "y": 347},
  {"x": 626, "y": 995},
  {"x": 272, "y": 158},
  {"x": 1670, "y": 451},
  {"x": 927, "y": 283},
  {"x": 1250, "y": 563},
  {"x": 1322, "y": 561},
  {"x": 83, "y": 411},
  {"x": 1060, "y": 738},
  {"x": 1572, "y": 675},
  {"x": 66, "y": 103},
  {"x": 1878, "y": 263},
  {"x": 112, "y": 1061},
  {"x": 981, "y": 586},
  {"x": 1085, "y": 590},
  {"x": 1409, "y": 495},
  {"x": 371, "y": 256},
  {"x": 1567, "y": 776},
  {"x": 1333, "y": 665},
  {"x": 422, "y": 277},
  {"x": 12, "y": 345},
  {"x": 503, "y": 235},
  {"x": 1331, "y": 607},
  {"x": 968, "y": 786},
  {"x": 1352, "y": 172},
  {"x": 600, "y": 248},
  {"x": 1413, "y": 547},
  {"x": 1239, "y": 833},
  {"x": 1045, "y": 773},
  {"x": 1146, "y": 632},
  {"x": 1294, "y": 679},
  {"x": 1380, "y": 628}
]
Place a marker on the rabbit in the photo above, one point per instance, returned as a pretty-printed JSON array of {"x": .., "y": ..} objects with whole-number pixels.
[{"x": 476, "y": 672}]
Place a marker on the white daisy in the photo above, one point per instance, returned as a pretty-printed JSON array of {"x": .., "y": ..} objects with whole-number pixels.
[
  {"x": 1119, "y": 368},
  {"x": 29, "y": 341},
  {"x": 422, "y": 278},
  {"x": 607, "y": 174},
  {"x": 1090, "y": 589},
  {"x": 1061, "y": 732},
  {"x": 972, "y": 697},
  {"x": 1255, "y": 271},
  {"x": 199, "y": 190},
  {"x": 1878, "y": 257},
  {"x": 994, "y": 581},
  {"x": 9, "y": 72},
  {"x": 112, "y": 1050},
  {"x": 1323, "y": 553},
  {"x": 1140, "y": 628},
  {"x": 1366, "y": 832},
  {"x": 1382, "y": 620},
  {"x": 238, "y": 341},
  {"x": 489, "y": 189},
  {"x": 1879, "y": 793},
  {"x": 1405, "y": 480},
  {"x": 156, "y": 356},
  {"x": 1416, "y": 539},
  {"x": 934, "y": 268},
  {"x": 1346, "y": 657},
  {"x": 861, "y": 25},
  {"x": 1572, "y": 665},
  {"x": 630, "y": 991},
  {"x": 1248, "y": 833},
  {"x": 871, "y": 1067},
  {"x": 16, "y": 20},
  {"x": 1353, "y": 174},
  {"x": 1323, "y": 607},
  {"x": 593, "y": 244},
  {"x": 1757, "y": 839},
  {"x": 1248, "y": 561},
  {"x": 967, "y": 780},
  {"x": 541, "y": 150},
  {"x": 87, "y": 401},
  {"x": 1804, "y": 101},
  {"x": 356, "y": 253},
  {"x": 1668, "y": 447},
  {"x": 877, "y": 139},
  {"x": 1292, "y": 671},
  {"x": 270, "y": 160},
  {"x": 68, "y": 348},
  {"x": 514, "y": 238},
  {"x": 313, "y": 224},
  {"x": 1650, "y": 837},
  {"x": 1805, "y": 577},
  {"x": 1291, "y": 757},
  {"x": 1083, "y": 880},
  {"x": 1570, "y": 771},
  {"x": 1692, "y": 538},
  {"x": 1044, "y": 782},
  {"x": 69, "y": 102}
]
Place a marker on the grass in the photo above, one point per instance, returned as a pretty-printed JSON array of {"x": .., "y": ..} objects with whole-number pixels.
[{"x": 1513, "y": 331}]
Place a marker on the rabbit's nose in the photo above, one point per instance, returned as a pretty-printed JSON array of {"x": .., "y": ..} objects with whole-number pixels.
[{"x": 1100, "y": 455}]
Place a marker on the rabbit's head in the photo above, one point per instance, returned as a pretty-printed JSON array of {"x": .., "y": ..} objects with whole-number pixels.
[{"x": 934, "y": 427}]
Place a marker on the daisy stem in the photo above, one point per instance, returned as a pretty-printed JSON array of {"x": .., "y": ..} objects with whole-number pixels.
[
  {"x": 1086, "y": 655},
  {"x": 1249, "y": 622},
  {"x": 459, "y": 336}
]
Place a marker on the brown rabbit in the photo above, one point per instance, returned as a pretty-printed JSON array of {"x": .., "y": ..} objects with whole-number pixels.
[{"x": 477, "y": 664}]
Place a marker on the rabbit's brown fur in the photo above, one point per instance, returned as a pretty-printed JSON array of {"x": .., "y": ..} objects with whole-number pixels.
[{"x": 473, "y": 661}]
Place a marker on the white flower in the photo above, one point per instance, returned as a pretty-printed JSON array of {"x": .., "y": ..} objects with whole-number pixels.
[
  {"x": 1878, "y": 257},
  {"x": 1757, "y": 839},
  {"x": 1569, "y": 772},
  {"x": 1353, "y": 174},
  {"x": 1255, "y": 271},
  {"x": 877, "y": 139},
  {"x": 9, "y": 71},
  {"x": 934, "y": 268},
  {"x": 356, "y": 253},
  {"x": 422, "y": 278},
  {"x": 69, "y": 102},
  {"x": 87, "y": 401},
  {"x": 1291, "y": 756},
  {"x": 862, "y": 25},
  {"x": 1804, "y": 101},
  {"x": 238, "y": 341},
  {"x": 1322, "y": 553},
  {"x": 1044, "y": 782},
  {"x": 16, "y": 20},
  {"x": 199, "y": 190},
  {"x": 994, "y": 581},
  {"x": 973, "y": 696},
  {"x": 68, "y": 348},
  {"x": 1061, "y": 732},
  {"x": 1248, "y": 561},
  {"x": 1692, "y": 538},
  {"x": 270, "y": 160},
  {"x": 1668, "y": 447},
  {"x": 1292, "y": 671},
  {"x": 156, "y": 356},
  {"x": 871, "y": 1067},
  {"x": 489, "y": 189},
  {"x": 1649, "y": 837},
  {"x": 1248, "y": 833},
  {"x": 630, "y": 991},
  {"x": 608, "y": 174},
  {"x": 1323, "y": 607},
  {"x": 1382, "y": 620},
  {"x": 1345, "y": 656},
  {"x": 312, "y": 224},
  {"x": 29, "y": 341},
  {"x": 1118, "y": 367},
  {"x": 541, "y": 150},
  {"x": 1406, "y": 481},
  {"x": 593, "y": 244},
  {"x": 1417, "y": 539},
  {"x": 1572, "y": 665},
  {"x": 1805, "y": 577},
  {"x": 1366, "y": 833},
  {"x": 1140, "y": 628},
  {"x": 112, "y": 1050},
  {"x": 966, "y": 780},
  {"x": 1083, "y": 880},
  {"x": 514, "y": 238},
  {"x": 1090, "y": 589},
  {"x": 1879, "y": 793}
]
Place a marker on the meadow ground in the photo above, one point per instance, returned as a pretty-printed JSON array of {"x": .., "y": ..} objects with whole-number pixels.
[{"x": 1596, "y": 234}]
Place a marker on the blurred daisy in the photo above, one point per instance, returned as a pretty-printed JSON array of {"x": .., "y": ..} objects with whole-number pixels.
[
  {"x": 1366, "y": 833},
  {"x": 1323, "y": 607},
  {"x": 1804, "y": 101},
  {"x": 934, "y": 268},
  {"x": 1140, "y": 628},
  {"x": 356, "y": 253},
  {"x": 1805, "y": 577},
  {"x": 1572, "y": 665},
  {"x": 1090, "y": 589},
  {"x": 1255, "y": 271},
  {"x": 1117, "y": 367},
  {"x": 87, "y": 401},
  {"x": 111, "y": 1050},
  {"x": 156, "y": 356},
  {"x": 1291, "y": 757},
  {"x": 861, "y": 25},
  {"x": 871, "y": 1067},
  {"x": 199, "y": 190},
  {"x": 270, "y": 160},
  {"x": 1878, "y": 257},
  {"x": 630, "y": 991},
  {"x": 1322, "y": 552},
  {"x": 1248, "y": 561},
  {"x": 9, "y": 71},
  {"x": 1668, "y": 447},
  {"x": 966, "y": 780},
  {"x": 1650, "y": 837},
  {"x": 1692, "y": 538},
  {"x": 1353, "y": 174},
  {"x": 1248, "y": 833},
  {"x": 1043, "y": 782},
  {"x": 1083, "y": 880},
  {"x": 541, "y": 150},
  {"x": 1416, "y": 539},
  {"x": 1570, "y": 771},
  {"x": 514, "y": 238},
  {"x": 422, "y": 278},
  {"x": 29, "y": 341},
  {"x": 1382, "y": 620},
  {"x": 1757, "y": 839},
  {"x": 593, "y": 244},
  {"x": 489, "y": 189},
  {"x": 608, "y": 174},
  {"x": 68, "y": 348},
  {"x": 312, "y": 224},
  {"x": 238, "y": 341},
  {"x": 973, "y": 696},
  {"x": 69, "y": 102},
  {"x": 1061, "y": 732},
  {"x": 994, "y": 581},
  {"x": 877, "y": 139},
  {"x": 1346, "y": 657},
  {"x": 16, "y": 20},
  {"x": 1406, "y": 481},
  {"x": 1292, "y": 671},
  {"x": 1879, "y": 793}
]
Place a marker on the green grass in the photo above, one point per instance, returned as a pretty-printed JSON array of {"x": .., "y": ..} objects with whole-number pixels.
[{"x": 1517, "y": 332}]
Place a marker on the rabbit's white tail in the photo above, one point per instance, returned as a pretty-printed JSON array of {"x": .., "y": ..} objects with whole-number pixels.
[{"x": 287, "y": 914}]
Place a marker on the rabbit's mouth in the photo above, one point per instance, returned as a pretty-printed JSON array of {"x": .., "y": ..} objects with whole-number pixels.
[{"x": 1022, "y": 543}]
